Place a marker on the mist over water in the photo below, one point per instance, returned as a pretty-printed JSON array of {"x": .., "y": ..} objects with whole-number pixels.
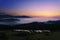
[
  {"x": 26, "y": 20},
  {"x": 29, "y": 20}
]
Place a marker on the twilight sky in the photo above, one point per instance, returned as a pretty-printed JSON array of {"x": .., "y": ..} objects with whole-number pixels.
[{"x": 33, "y": 8}]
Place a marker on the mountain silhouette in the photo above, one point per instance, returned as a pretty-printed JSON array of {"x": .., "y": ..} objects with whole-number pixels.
[
  {"x": 9, "y": 19},
  {"x": 4, "y": 15}
]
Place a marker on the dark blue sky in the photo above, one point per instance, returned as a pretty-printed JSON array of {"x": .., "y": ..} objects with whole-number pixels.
[{"x": 16, "y": 4}]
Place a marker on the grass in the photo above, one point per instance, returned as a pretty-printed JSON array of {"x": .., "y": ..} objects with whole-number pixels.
[{"x": 10, "y": 35}]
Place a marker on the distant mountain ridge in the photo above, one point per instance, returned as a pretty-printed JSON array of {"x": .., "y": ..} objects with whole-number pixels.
[
  {"x": 4, "y": 15},
  {"x": 6, "y": 19}
]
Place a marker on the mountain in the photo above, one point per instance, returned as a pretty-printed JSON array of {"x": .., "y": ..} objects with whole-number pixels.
[
  {"x": 22, "y": 17},
  {"x": 4, "y": 15},
  {"x": 9, "y": 19}
]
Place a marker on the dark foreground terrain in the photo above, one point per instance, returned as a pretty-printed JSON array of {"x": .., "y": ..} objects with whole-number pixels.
[{"x": 17, "y": 35}]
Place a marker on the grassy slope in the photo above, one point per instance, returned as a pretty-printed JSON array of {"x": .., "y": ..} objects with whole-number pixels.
[{"x": 33, "y": 36}]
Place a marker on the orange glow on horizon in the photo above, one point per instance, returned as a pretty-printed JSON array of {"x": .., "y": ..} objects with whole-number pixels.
[
  {"x": 36, "y": 13},
  {"x": 40, "y": 14}
]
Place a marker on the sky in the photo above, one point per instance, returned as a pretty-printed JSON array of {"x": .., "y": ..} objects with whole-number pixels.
[{"x": 33, "y": 8}]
